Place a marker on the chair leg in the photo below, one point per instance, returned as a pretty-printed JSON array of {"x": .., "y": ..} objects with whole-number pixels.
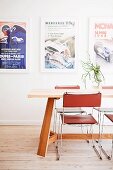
[
  {"x": 59, "y": 139},
  {"x": 54, "y": 118},
  {"x": 104, "y": 152},
  {"x": 94, "y": 147},
  {"x": 99, "y": 123},
  {"x": 86, "y": 130},
  {"x": 57, "y": 153},
  {"x": 83, "y": 132},
  {"x": 112, "y": 147},
  {"x": 87, "y": 134},
  {"x": 101, "y": 147},
  {"x": 97, "y": 152}
]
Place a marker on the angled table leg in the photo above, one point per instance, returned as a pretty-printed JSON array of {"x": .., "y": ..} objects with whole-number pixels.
[{"x": 45, "y": 131}]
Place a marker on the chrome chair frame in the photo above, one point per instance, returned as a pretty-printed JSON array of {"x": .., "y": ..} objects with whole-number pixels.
[
  {"x": 60, "y": 110},
  {"x": 105, "y": 111},
  {"x": 110, "y": 118},
  {"x": 82, "y": 103}
]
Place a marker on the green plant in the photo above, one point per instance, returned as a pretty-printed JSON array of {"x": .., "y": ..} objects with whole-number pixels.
[{"x": 92, "y": 72}]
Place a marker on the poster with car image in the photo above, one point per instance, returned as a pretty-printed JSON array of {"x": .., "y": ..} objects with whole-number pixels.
[
  {"x": 12, "y": 45},
  {"x": 58, "y": 37},
  {"x": 101, "y": 42}
]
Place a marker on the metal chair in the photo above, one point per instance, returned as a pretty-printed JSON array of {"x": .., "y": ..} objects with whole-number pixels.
[
  {"x": 105, "y": 112},
  {"x": 72, "y": 100},
  {"x": 59, "y": 110},
  {"x": 105, "y": 109}
]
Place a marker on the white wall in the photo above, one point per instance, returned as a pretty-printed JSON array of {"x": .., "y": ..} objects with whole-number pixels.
[{"x": 15, "y": 107}]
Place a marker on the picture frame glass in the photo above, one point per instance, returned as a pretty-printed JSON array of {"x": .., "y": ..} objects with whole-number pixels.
[
  {"x": 13, "y": 46},
  {"x": 58, "y": 38},
  {"x": 101, "y": 42}
]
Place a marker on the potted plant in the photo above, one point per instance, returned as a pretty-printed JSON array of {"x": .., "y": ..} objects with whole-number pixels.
[{"x": 92, "y": 72}]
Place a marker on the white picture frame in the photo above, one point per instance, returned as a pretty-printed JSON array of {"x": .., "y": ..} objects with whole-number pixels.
[
  {"x": 101, "y": 42},
  {"x": 58, "y": 38},
  {"x": 14, "y": 56}
]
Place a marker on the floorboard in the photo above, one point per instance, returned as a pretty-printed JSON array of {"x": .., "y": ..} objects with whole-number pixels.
[{"x": 18, "y": 148}]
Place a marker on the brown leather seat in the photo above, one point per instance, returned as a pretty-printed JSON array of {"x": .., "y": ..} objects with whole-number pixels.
[
  {"x": 78, "y": 119},
  {"x": 109, "y": 116}
]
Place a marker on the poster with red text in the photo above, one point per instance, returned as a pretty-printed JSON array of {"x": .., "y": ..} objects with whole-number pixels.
[
  {"x": 12, "y": 45},
  {"x": 101, "y": 42}
]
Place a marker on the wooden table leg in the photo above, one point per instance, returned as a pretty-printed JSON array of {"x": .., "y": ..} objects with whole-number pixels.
[{"x": 45, "y": 131}]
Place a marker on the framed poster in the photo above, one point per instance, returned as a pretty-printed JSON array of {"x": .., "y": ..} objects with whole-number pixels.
[
  {"x": 58, "y": 39},
  {"x": 13, "y": 56},
  {"x": 101, "y": 42}
]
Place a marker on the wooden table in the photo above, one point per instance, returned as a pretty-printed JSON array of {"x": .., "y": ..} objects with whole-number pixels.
[{"x": 47, "y": 136}]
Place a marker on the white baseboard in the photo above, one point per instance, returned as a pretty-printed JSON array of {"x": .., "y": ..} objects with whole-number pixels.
[{"x": 19, "y": 122}]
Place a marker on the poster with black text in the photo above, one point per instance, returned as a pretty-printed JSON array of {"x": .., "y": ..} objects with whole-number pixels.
[{"x": 58, "y": 44}]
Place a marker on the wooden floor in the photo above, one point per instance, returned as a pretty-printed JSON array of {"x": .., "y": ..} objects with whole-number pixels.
[{"x": 18, "y": 147}]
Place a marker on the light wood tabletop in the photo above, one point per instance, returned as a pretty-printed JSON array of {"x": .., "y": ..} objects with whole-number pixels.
[{"x": 54, "y": 93}]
